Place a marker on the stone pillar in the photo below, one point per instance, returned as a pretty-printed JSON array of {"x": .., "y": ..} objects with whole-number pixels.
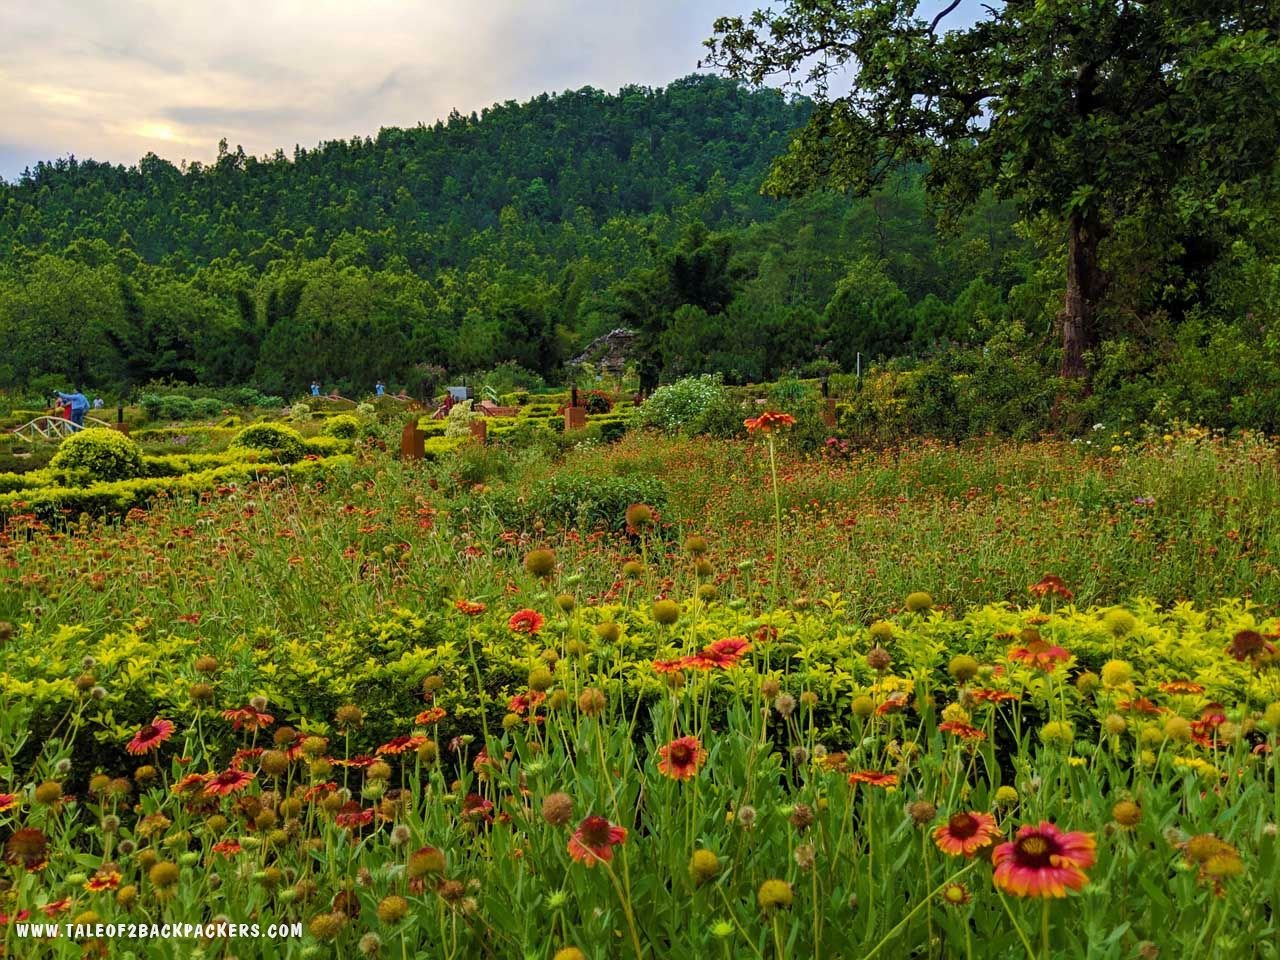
[
  {"x": 412, "y": 442},
  {"x": 479, "y": 431},
  {"x": 575, "y": 418}
]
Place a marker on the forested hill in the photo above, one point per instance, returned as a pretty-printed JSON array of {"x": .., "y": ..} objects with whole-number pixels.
[
  {"x": 422, "y": 191},
  {"x": 509, "y": 238}
]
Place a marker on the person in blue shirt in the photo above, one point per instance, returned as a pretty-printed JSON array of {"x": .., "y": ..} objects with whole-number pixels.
[
  {"x": 79, "y": 406},
  {"x": 315, "y": 388},
  {"x": 379, "y": 388}
]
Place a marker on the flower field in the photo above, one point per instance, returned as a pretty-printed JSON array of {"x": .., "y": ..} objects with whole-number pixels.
[{"x": 662, "y": 699}]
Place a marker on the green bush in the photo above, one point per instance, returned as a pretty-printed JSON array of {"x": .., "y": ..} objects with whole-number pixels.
[
  {"x": 284, "y": 443},
  {"x": 691, "y": 406},
  {"x": 342, "y": 425},
  {"x": 177, "y": 407},
  {"x": 102, "y": 454},
  {"x": 580, "y": 501},
  {"x": 206, "y": 408},
  {"x": 612, "y": 431}
]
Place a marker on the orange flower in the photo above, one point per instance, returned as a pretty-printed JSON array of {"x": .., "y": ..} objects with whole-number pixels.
[
  {"x": 964, "y": 834},
  {"x": 469, "y": 607},
  {"x": 1041, "y": 655},
  {"x": 28, "y": 848},
  {"x": 103, "y": 879},
  {"x": 150, "y": 737},
  {"x": 682, "y": 758},
  {"x": 962, "y": 730},
  {"x": 1181, "y": 687},
  {"x": 429, "y": 716},
  {"x": 768, "y": 421},
  {"x": 1051, "y": 585},
  {"x": 873, "y": 778},
  {"x": 227, "y": 848},
  {"x": 594, "y": 840},
  {"x": 1042, "y": 861},
  {"x": 227, "y": 782},
  {"x": 8, "y": 801},
  {"x": 727, "y": 652},
  {"x": 526, "y": 621},
  {"x": 248, "y": 718},
  {"x": 992, "y": 696}
]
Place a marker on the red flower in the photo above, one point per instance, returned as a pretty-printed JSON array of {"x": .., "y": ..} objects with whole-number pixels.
[
  {"x": 964, "y": 834},
  {"x": 594, "y": 840},
  {"x": 873, "y": 778},
  {"x": 151, "y": 736},
  {"x": 526, "y": 621},
  {"x": 477, "y": 807},
  {"x": 673, "y": 666},
  {"x": 227, "y": 782},
  {"x": 470, "y": 608},
  {"x": 398, "y": 745},
  {"x": 429, "y": 716},
  {"x": 227, "y": 848},
  {"x": 892, "y": 704},
  {"x": 55, "y": 907},
  {"x": 992, "y": 696},
  {"x": 1042, "y": 861},
  {"x": 248, "y": 718},
  {"x": 1050, "y": 585},
  {"x": 103, "y": 879},
  {"x": 8, "y": 801},
  {"x": 1141, "y": 705},
  {"x": 351, "y": 817},
  {"x": 727, "y": 652},
  {"x": 682, "y": 758},
  {"x": 523, "y": 702},
  {"x": 28, "y": 848},
  {"x": 962, "y": 730},
  {"x": 360, "y": 761},
  {"x": 1248, "y": 644},
  {"x": 1181, "y": 687},
  {"x": 191, "y": 783},
  {"x": 1041, "y": 655},
  {"x": 769, "y": 421}
]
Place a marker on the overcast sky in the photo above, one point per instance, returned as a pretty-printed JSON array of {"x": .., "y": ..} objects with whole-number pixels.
[{"x": 114, "y": 79}]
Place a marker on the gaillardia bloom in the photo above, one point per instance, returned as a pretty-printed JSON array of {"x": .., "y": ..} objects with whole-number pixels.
[
  {"x": 526, "y": 621},
  {"x": 964, "y": 834},
  {"x": 1043, "y": 861},
  {"x": 873, "y": 778},
  {"x": 594, "y": 840},
  {"x": 681, "y": 759},
  {"x": 150, "y": 737},
  {"x": 227, "y": 782},
  {"x": 1041, "y": 655},
  {"x": 769, "y": 421},
  {"x": 27, "y": 848}
]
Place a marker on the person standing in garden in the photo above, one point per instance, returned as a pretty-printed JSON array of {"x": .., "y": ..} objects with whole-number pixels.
[
  {"x": 379, "y": 389},
  {"x": 315, "y": 388},
  {"x": 79, "y": 406}
]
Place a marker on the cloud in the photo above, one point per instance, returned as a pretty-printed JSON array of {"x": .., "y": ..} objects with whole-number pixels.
[{"x": 114, "y": 79}]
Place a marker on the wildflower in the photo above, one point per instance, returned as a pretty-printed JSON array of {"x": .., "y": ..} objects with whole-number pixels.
[
  {"x": 640, "y": 517},
  {"x": 1050, "y": 586},
  {"x": 1181, "y": 688},
  {"x": 746, "y": 816},
  {"x": 964, "y": 834},
  {"x": 608, "y": 631},
  {"x": 150, "y": 737},
  {"x": 874, "y": 778},
  {"x": 1249, "y": 644},
  {"x": 695, "y": 545},
  {"x": 399, "y": 745},
  {"x": 878, "y": 659},
  {"x": 1126, "y": 813},
  {"x": 992, "y": 696},
  {"x": 104, "y": 878},
  {"x": 1040, "y": 655},
  {"x": 248, "y": 718},
  {"x": 774, "y": 895},
  {"x": 964, "y": 731},
  {"x": 1116, "y": 673},
  {"x": 27, "y": 848},
  {"x": 1119, "y": 621},
  {"x": 469, "y": 608},
  {"x": 557, "y": 809},
  {"x": 569, "y": 953},
  {"x": 1043, "y": 861},
  {"x": 801, "y": 816},
  {"x": 526, "y": 622},
  {"x": 227, "y": 782},
  {"x": 424, "y": 862},
  {"x": 1059, "y": 732},
  {"x": 665, "y": 612},
  {"x": 921, "y": 812},
  {"x": 429, "y": 716},
  {"x": 327, "y": 926},
  {"x": 681, "y": 758},
  {"x": 726, "y": 652},
  {"x": 393, "y": 909},
  {"x": 540, "y": 563},
  {"x": 768, "y": 421},
  {"x": 863, "y": 706},
  {"x": 703, "y": 866},
  {"x": 805, "y": 856},
  {"x": 48, "y": 793},
  {"x": 8, "y": 801},
  {"x": 918, "y": 602},
  {"x": 163, "y": 875},
  {"x": 591, "y": 702},
  {"x": 594, "y": 840},
  {"x": 963, "y": 667},
  {"x": 955, "y": 894},
  {"x": 632, "y": 570}
]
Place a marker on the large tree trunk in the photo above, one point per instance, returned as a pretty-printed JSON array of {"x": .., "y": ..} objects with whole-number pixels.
[{"x": 1085, "y": 281}]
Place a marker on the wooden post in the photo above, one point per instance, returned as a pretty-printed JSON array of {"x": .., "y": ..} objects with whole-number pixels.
[
  {"x": 121, "y": 427},
  {"x": 575, "y": 418},
  {"x": 412, "y": 442},
  {"x": 829, "y": 411},
  {"x": 479, "y": 431}
]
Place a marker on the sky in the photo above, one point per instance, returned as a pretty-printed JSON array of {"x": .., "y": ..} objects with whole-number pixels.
[{"x": 116, "y": 79}]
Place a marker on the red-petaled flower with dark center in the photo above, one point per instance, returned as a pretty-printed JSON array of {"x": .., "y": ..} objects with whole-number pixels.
[
  {"x": 227, "y": 848},
  {"x": 398, "y": 745},
  {"x": 55, "y": 907},
  {"x": 522, "y": 703},
  {"x": 8, "y": 801},
  {"x": 964, "y": 834},
  {"x": 1040, "y": 655},
  {"x": 681, "y": 759},
  {"x": 992, "y": 696},
  {"x": 672, "y": 666},
  {"x": 1051, "y": 586},
  {"x": 526, "y": 621},
  {"x": 103, "y": 879},
  {"x": 1249, "y": 645},
  {"x": 1181, "y": 688},
  {"x": 727, "y": 652},
  {"x": 150, "y": 737},
  {"x": 469, "y": 607},
  {"x": 1043, "y": 861},
  {"x": 191, "y": 783},
  {"x": 476, "y": 807},
  {"x": 227, "y": 782},
  {"x": 1141, "y": 705},
  {"x": 769, "y": 421},
  {"x": 962, "y": 730},
  {"x": 27, "y": 848},
  {"x": 873, "y": 778},
  {"x": 248, "y": 718},
  {"x": 429, "y": 716},
  {"x": 893, "y": 703},
  {"x": 594, "y": 840},
  {"x": 352, "y": 817}
]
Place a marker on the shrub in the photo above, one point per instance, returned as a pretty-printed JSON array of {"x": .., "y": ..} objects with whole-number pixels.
[
  {"x": 579, "y": 500},
  {"x": 177, "y": 407},
  {"x": 300, "y": 412},
  {"x": 613, "y": 431},
  {"x": 103, "y": 455},
  {"x": 206, "y": 408},
  {"x": 458, "y": 422},
  {"x": 598, "y": 402},
  {"x": 686, "y": 406},
  {"x": 344, "y": 426},
  {"x": 285, "y": 443}
]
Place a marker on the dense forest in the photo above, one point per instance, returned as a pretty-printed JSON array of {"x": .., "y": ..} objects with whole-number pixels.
[{"x": 518, "y": 235}]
